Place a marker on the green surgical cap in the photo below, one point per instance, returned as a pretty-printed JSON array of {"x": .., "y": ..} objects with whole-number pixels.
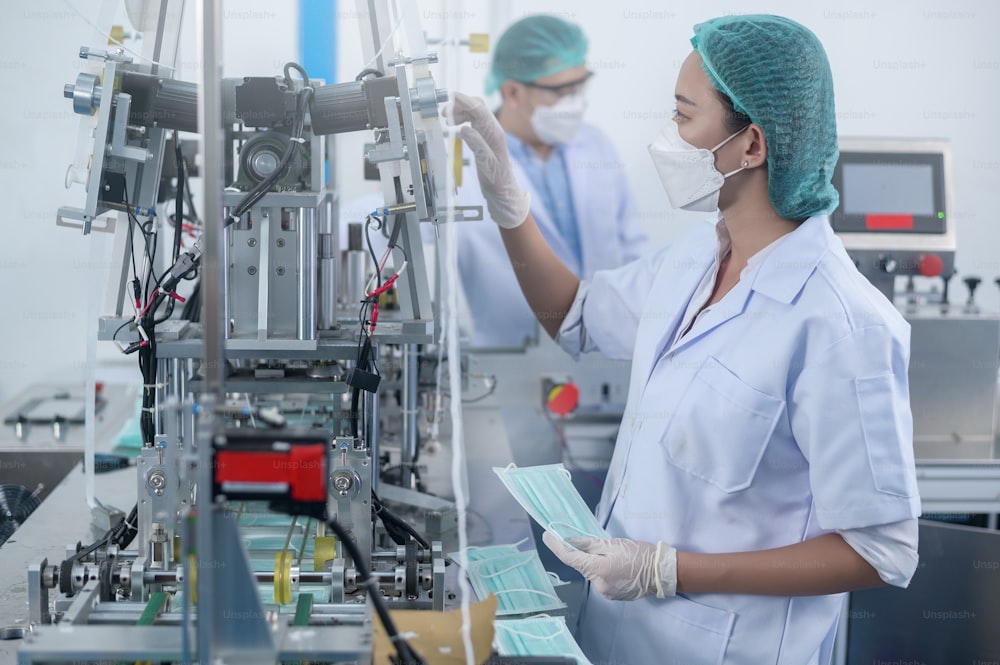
[
  {"x": 536, "y": 47},
  {"x": 776, "y": 72}
]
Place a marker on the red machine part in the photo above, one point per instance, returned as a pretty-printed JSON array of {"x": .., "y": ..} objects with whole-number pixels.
[{"x": 301, "y": 467}]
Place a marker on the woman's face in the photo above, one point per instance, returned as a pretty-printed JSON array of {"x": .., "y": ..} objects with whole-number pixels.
[{"x": 699, "y": 114}]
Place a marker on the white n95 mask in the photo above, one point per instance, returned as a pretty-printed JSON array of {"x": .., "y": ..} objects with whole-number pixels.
[
  {"x": 560, "y": 122},
  {"x": 688, "y": 173}
]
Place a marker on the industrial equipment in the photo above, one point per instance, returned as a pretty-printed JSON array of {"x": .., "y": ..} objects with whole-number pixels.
[
  {"x": 260, "y": 531},
  {"x": 897, "y": 222}
]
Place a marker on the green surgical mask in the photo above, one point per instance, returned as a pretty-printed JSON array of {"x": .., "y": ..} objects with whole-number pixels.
[
  {"x": 518, "y": 580},
  {"x": 537, "y": 636},
  {"x": 547, "y": 494},
  {"x": 477, "y": 553}
]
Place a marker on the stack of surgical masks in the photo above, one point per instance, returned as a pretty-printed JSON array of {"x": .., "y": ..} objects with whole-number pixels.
[
  {"x": 547, "y": 494},
  {"x": 517, "y": 579},
  {"x": 537, "y": 636}
]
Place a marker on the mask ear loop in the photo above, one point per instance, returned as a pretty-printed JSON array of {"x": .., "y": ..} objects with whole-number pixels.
[
  {"x": 523, "y": 633},
  {"x": 574, "y": 528},
  {"x": 745, "y": 163},
  {"x": 527, "y": 590},
  {"x": 505, "y": 570}
]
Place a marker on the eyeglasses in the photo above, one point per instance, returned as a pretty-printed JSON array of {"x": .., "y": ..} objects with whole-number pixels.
[{"x": 563, "y": 89}]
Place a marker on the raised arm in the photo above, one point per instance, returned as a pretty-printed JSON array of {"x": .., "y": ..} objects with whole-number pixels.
[{"x": 548, "y": 285}]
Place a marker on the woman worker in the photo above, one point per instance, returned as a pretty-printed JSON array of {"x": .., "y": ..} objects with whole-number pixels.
[{"x": 764, "y": 464}]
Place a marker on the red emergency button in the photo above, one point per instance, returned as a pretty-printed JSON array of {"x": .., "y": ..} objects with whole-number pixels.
[
  {"x": 930, "y": 265},
  {"x": 563, "y": 399}
]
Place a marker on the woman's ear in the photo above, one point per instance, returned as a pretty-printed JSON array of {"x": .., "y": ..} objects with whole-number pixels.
[{"x": 755, "y": 153}]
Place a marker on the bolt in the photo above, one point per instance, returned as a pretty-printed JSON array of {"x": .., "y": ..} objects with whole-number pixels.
[
  {"x": 280, "y": 242},
  {"x": 252, "y": 270},
  {"x": 342, "y": 483},
  {"x": 157, "y": 481},
  {"x": 280, "y": 270},
  {"x": 252, "y": 242}
]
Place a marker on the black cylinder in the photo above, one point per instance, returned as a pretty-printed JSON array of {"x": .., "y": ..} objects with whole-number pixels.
[
  {"x": 339, "y": 108},
  {"x": 159, "y": 102}
]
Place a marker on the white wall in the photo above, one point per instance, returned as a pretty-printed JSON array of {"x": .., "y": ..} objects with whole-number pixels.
[{"x": 921, "y": 68}]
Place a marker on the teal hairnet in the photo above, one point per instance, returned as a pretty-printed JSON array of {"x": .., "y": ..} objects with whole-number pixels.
[
  {"x": 776, "y": 72},
  {"x": 535, "y": 47}
]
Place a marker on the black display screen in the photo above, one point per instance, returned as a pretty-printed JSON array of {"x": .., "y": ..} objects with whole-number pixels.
[{"x": 889, "y": 193}]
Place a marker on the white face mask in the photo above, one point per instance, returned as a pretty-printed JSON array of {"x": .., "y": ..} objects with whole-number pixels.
[
  {"x": 688, "y": 173},
  {"x": 559, "y": 123}
]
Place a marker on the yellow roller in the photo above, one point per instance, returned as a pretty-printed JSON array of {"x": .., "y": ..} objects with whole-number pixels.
[
  {"x": 324, "y": 550},
  {"x": 283, "y": 577},
  {"x": 479, "y": 42},
  {"x": 456, "y": 163},
  {"x": 191, "y": 570}
]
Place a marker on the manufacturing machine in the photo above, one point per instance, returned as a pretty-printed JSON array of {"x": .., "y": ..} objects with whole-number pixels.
[
  {"x": 896, "y": 220},
  {"x": 259, "y": 474}
]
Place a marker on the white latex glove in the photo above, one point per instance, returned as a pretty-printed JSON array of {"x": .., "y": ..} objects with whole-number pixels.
[
  {"x": 507, "y": 202},
  {"x": 621, "y": 569}
]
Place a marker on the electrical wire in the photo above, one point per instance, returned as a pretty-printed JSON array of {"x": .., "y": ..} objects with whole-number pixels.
[
  {"x": 369, "y": 71},
  {"x": 371, "y": 251},
  {"x": 406, "y": 654},
  {"x": 297, "y": 67},
  {"x": 397, "y": 528},
  {"x": 295, "y": 141}
]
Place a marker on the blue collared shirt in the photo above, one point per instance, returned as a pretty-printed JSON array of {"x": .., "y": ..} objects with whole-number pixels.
[{"x": 551, "y": 180}]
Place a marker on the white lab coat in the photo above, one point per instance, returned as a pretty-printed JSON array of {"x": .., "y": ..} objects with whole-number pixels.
[
  {"x": 610, "y": 235},
  {"x": 781, "y": 415}
]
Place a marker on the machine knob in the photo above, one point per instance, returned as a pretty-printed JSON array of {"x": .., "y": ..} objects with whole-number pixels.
[
  {"x": 59, "y": 428},
  {"x": 971, "y": 283},
  {"x": 930, "y": 265},
  {"x": 21, "y": 427},
  {"x": 562, "y": 398},
  {"x": 888, "y": 263}
]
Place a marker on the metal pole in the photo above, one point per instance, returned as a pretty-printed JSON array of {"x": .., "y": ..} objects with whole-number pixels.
[
  {"x": 209, "y": 38},
  {"x": 409, "y": 448},
  {"x": 371, "y": 430},
  {"x": 306, "y": 286}
]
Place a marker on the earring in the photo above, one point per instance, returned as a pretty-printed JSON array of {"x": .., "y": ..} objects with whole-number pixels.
[{"x": 746, "y": 163}]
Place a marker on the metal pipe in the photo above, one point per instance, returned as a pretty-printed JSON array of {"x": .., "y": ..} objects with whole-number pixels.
[
  {"x": 309, "y": 577},
  {"x": 327, "y": 253},
  {"x": 209, "y": 39},
  {"x": 306, "y": 278},
  {"x": 371, "y": 431},
  {"x": 161, "y": 395},
  {"x": 410, "y": 440}
]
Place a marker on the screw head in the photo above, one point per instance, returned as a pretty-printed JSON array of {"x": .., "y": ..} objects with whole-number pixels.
[
  {"x": 252, "y": 242},
  {"x": 280, "y": 242},
  {"x": 280, "y": 270},
  {"x": 252, "y": 270},
  {"x": 342, "y": 483}
]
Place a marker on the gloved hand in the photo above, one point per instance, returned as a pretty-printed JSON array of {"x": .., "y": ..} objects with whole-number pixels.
[
  {"x": 621, "y": 569},
  {"x": 507, "y": 202}
]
